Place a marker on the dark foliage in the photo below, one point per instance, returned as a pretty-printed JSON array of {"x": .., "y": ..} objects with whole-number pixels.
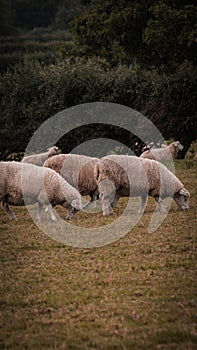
[{"x": 32, "y": 93}]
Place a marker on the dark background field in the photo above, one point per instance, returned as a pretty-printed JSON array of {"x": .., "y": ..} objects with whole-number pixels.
[{"x": 60, "y": 53}]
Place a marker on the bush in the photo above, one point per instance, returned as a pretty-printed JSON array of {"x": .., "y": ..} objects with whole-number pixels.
[
  {"x": 172, "y": 106},
  {"x": 32, "y": 92}
]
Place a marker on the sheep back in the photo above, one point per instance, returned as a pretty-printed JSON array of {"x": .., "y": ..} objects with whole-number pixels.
[
  {"x": 36, "y": 184},
  {"x": 133, "y": 176},
  {"x": 40, "y": 158},
  {"x": 78, "y": 170},
  {"x": 161, "y": 154},
  {"x": 119, "y": 170}
]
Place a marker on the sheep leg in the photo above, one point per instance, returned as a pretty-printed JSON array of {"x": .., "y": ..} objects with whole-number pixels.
[
  {"x": 107, "y": 193},
  {"x": 92, "y": 202},
  {"x": 47, "y": 209},
  {"x": 7, "y": 209},
  {"x": 94, "y": 198},
  {"x": 107, "y": 209},
  {"x": 51, "y": 212},
  {"x": 106, "y": 203},
  {"x": 115, "y": 201},
  {"x": 142, "y": 204},
  {"x": 38, "y": 216},
  {"x": 160, "y": 207}
]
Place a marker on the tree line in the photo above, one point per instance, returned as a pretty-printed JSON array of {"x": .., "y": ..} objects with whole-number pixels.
[
  {"x": 153, "y": 33},
  {"x": 141, "y": 54}
]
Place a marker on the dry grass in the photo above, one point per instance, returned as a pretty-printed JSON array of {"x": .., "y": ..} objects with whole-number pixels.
[{"x": 137, "y": 293}]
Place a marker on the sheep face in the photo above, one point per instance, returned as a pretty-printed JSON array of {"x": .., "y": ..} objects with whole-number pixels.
[
  {"x": 76, "y": 203},
  {"x": 177, "y": 145},
  {"x": 56, "y": 149},
  {"x": 182, "y": 199},
  {"x": 53, "y": 151}
]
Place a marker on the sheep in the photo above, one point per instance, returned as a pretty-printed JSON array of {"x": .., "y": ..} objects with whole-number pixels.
[
  {"x": 78, "y": 170},
  {"x": 130, "y": 176},
  {"x": 166, "y": 153},
  {"x": 26, "y": 184},
  {"x": 39, "y": 158}
]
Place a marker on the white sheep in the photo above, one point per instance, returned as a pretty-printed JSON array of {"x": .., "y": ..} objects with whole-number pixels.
[
  {"x": 165, "y": 153},
  {"x": 129, "y": 176},
  {"x": 78, "y": 170},
  {"x": 22, "y": 183},
  {"x": 39, "y": 158}
]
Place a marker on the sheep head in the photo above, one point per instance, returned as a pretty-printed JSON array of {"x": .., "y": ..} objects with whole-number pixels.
[
  {"x": 177, "y": 145},
  {"x": 53, "y": 151},
  {"x": 182, "y": 199}
]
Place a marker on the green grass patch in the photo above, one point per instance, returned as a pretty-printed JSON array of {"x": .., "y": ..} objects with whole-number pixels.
[{"x": 138, "y": 293}]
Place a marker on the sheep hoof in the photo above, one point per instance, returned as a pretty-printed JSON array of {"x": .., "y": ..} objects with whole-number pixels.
[{"x": 108, "y": 213}]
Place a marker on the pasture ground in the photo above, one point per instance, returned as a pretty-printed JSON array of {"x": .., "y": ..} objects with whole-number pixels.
[{"x": 137, "y": 293}]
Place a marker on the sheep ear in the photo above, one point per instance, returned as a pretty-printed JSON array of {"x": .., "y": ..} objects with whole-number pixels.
[{"x": 183, "y": 191}]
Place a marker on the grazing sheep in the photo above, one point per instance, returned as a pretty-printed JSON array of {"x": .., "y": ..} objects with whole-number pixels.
[
  {"x": 39, "y": 158},
  {"x": 78, "y": 170},
  {"x": 165, "y": 153},
  {"x": 22, "y": 184},
  {"x": 129, "y": 176}
]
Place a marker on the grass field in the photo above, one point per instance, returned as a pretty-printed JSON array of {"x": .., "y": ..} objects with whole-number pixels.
[
  {"x": 42, "y": 45},
  {"x": 137, "y": 293}
]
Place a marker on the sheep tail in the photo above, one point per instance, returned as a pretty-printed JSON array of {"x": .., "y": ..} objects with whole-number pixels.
[{"x": 96, "y": 172}]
